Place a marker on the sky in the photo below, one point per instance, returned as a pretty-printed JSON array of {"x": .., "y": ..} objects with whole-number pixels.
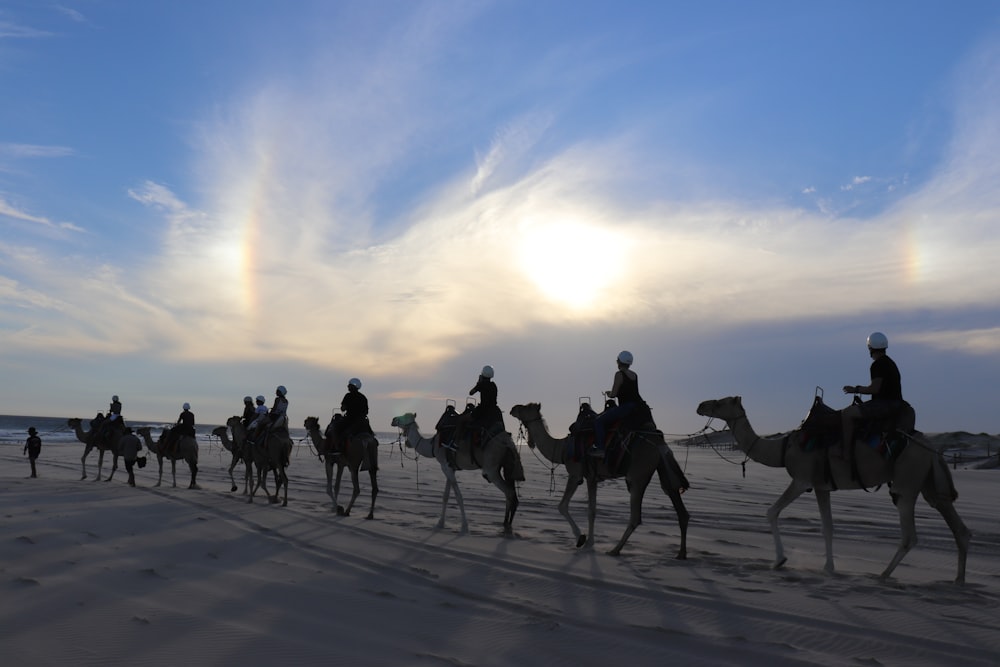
[{"x": 204, "y": 200}]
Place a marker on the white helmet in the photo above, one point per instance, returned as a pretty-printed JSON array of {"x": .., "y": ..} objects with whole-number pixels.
[
  {"x": 487, "y": 372},
  {"x": 186, "y": 406},
  {"x": 625, "y": 357},
  {"x": 877, "y": 341},
  {"x": 261, "y": 399},
  {"x": 354, "y": 382},
  {"x": 247, "y": 399},
  {"x": 281, "y": 390}
]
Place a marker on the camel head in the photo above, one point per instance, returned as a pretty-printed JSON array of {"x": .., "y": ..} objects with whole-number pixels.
[
  {"x": 727, "y": 409},
  {"x": 311, "y": 423},
  {"x": 527, "y": 413},
  {"x": 74, "y": 422},
  {"x": 233, "y": 420},
  {"x": 220, "y": 432},
  {"x": 404, "y": 420}
]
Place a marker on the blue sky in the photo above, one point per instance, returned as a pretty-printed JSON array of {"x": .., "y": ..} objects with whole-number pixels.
[{"x": 204, "y": 200}]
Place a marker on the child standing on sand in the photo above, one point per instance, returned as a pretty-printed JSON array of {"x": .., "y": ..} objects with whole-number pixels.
[{"x": 33, "y": 447}]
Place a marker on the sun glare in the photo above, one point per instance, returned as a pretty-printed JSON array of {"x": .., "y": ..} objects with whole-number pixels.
[{"x": 571, "y": 263}]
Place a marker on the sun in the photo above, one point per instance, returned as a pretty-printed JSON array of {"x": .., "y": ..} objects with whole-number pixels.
[{"x": 571, "y": 263}]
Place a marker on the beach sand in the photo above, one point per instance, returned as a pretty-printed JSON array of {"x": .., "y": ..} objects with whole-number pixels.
[{"x": 98, "y": 573}]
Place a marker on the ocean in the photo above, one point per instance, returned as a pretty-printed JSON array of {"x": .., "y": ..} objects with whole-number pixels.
[{"x": 55, "y": 431}]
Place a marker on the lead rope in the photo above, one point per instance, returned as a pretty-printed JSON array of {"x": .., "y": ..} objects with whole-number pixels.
[{"x": 522, "y": 435}]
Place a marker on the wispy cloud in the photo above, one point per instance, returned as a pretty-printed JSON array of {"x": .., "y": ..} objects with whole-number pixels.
[
  {"x": 11, "y": 211},
  {"x": 34, "y": 150},
  {"x": 9, "y": 30}
]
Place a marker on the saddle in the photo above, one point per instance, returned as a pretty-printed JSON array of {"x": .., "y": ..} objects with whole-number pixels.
[{"x": 823, "y": 428}]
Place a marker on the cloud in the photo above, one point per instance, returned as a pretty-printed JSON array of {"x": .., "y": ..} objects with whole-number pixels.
[
  {"x": 33, "y": 150},
  {"x": 971, "y": 341},
  {"x": 9, "y": 210},
  {"x": 10, "y": 30}
]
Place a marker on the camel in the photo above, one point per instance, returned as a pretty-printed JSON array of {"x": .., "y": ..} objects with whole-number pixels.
[
  {"x": 648, "y": 452},
  {"x": 238, "y": 447},
  {"x": 499, "y": 462},
  {"x": 186, "y": 450},
  {"x": 918, "y": 469},
  {"x": 271, "y": 454},
  {"x": 89, "y": 438},
  {"x": 362, "y": 449}
]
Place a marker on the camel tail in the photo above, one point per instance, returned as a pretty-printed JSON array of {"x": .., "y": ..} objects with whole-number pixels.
[
  {"x": 939, "y": 480},
  {"x": 671, "y": 475},
  {"x": 513, "y": 470}
]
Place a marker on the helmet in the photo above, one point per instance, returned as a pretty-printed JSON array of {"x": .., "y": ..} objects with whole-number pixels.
[
  {"x": 281, "y": 390},
  {"x": 261, "y": 399},
  {"x": 247, "y": 399},
  {"x": 186, "y": 406},
  {"x": 354, "y": 382},
  {"x": 115, "y": 397},
  {"x": 878, "y": 341},
  {"x": 625, "y": 357},
  {"x": 487, "y": 372}
]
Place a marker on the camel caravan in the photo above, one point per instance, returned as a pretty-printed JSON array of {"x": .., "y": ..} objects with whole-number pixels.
[{"x": 863, "y": 446}]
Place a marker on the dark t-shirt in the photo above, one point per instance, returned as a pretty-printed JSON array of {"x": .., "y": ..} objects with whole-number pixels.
[
  {"x": 628, "y": 392},
  {"x": 892, "y": 387}
]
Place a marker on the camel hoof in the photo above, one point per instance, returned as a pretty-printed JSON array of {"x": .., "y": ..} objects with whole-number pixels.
[
  {"x": 194, "y": 486},
  {"x": 779, "y": 564},
  {"x": 615, "y": 552},
  {"x": 341, "y": 511},
  {"x": 272, "y": 501},
  {"x": 284, "y": 504},
  {"x": 581, "y": 540},
  {"x": 370, "y": 516},
  {"x": 681, "y": 555},
  {"x": 233, "y": 490},
  {"x": 83, "y": 478}
]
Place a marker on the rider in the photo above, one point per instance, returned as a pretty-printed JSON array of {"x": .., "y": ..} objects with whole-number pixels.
[
  {"x": 260, "y": 416},
  {"x": 487, "y": 412},
  {"x": 885, "y": 388},
  {"x": 354, "y": 405},
  {"x": 626, "y": 389},
  {"x": 112, "y": 421},
  {"x": 248, "y": 412},
  {"x": 183, "y": 427}
]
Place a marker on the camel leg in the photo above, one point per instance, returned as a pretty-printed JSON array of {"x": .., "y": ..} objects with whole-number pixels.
[
  {"x": 231, "y": 477},
  {"x": 284, "y": 480},
  {"x": 356, "y": 490},
  {"x": 114, "y": 466},
  {"x": 100, "y": 464},
  {"x": 173, "y": 471},
  {"x": 683, "y": 516},
  {"x": 452, "y": 484},
  {"x": 905, "y": 504},
  {"x": 373, "y": 476},
  {"x": 580, "y": 539},
  {"x": 510, "y": 494},
  {"x": 794, "y": 490},
  {"x": 159, "y": 480},
  {"x": 591, "y": 508},
  {"x": 962, "y": 536},
  {"x": 636, "y": 494},
  {"x": 83, "y": 461},
  {"x": 336, "y": 490},
  {"x": 329, "y": 482},
  {"x": 826, "y": 516},
  {"x": 194, "y": 475}
]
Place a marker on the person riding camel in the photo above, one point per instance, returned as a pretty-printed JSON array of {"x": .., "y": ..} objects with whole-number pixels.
[
  {"x": 885, "y": 389},
  {"x": 183, "y": 427},
  {"x": 260, "y": 417},
  {"x": 249, "y": 412},
  {"x": 112, "y": 422},
  {"x": 354, "y": 405},
  {"x": 625, "y": 389},
  {"x": 486, "y": 413}
]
